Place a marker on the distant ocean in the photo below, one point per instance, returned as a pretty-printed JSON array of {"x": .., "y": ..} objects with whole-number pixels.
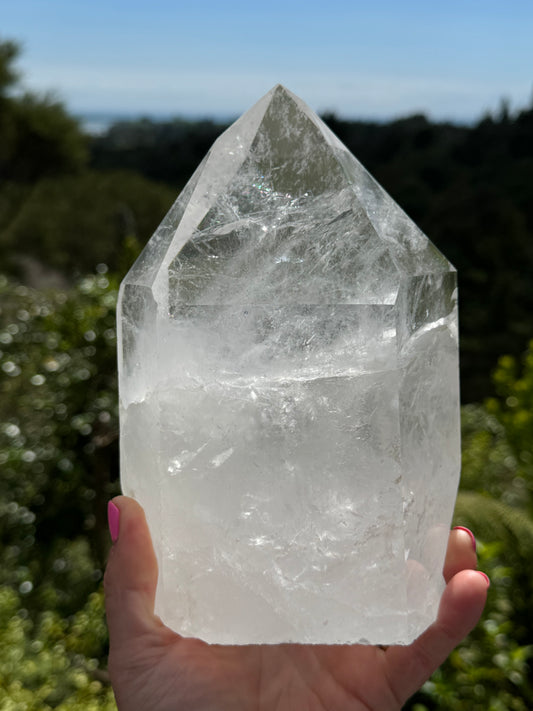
[{"x": 98, "y": 122}]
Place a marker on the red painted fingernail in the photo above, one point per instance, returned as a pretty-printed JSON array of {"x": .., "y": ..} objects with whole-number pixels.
[
  {"x": 113, "y": 518},
  {"x": 467, "y": 530},
  {"x": 487, "y": 579}
]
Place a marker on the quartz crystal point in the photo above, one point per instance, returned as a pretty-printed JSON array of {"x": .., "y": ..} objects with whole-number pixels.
[{"x": 289, "y": 395}]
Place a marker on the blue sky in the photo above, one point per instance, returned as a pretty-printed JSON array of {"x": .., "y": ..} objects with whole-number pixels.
[{"x": 380, "y": 59}]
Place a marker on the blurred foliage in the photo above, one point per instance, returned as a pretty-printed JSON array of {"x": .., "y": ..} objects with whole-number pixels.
[
  {"x": 38, "y": 137},
  {"x": 9, "y": 51},
  {"x": 167, "y": 151},
  {"x": 514, "y": 409},
  {"x": 97, "y": 212},
  {"x": 58, "y": 435},
  {"x": 67, "y": 207},
  {"x": 58, "y": 219},
  {"x": 58, "y": 454},
  {"x": 52, "y": 662}
]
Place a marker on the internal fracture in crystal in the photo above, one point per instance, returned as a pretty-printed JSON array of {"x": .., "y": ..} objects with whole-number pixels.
[{"x": 289, "y": 395}]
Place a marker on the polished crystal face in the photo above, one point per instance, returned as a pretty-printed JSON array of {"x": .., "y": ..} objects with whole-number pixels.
[{"x": 289, "y": 395}]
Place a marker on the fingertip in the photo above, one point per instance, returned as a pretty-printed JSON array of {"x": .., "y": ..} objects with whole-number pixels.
[
  {"x": 127, "y": 503},
  {"x": 461, "y": 552},
  {"x": 113, "y": 519},
  {"x": 469, "y": 534},
  {"x": 485, "y": 577},
  {"x": 462, "y": 603}
]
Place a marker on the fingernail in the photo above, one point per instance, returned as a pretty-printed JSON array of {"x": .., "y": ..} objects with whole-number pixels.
[
  {"x": 487, "y": 579},
  {"x": 467, "y": 530},
  {"x": 113, "y": 518}
]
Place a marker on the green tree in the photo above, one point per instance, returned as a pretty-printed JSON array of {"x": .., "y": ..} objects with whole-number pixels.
[
  {"x": 38, "y": 137},
  {"x": 9, "y": 52},
  {"x": 97, "y": 212},
  {"x": 57, "y": 219}
]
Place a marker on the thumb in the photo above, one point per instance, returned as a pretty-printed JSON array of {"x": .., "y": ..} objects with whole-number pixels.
[{"x": 131, "y": 575}]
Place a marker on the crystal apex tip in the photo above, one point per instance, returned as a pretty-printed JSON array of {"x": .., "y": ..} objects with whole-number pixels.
[{"x": 280, "y": 90}]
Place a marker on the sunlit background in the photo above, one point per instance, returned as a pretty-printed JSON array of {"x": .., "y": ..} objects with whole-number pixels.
[
  {"x": 452, "y": 60},
  {"x": 106, "y": 109}
]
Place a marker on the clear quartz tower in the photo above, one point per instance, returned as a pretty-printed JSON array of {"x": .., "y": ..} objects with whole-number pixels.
[{"x": 289, "y": 395}]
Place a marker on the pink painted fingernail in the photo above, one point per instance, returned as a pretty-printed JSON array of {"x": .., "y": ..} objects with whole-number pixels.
[
  {"x": 487, "y": 579},
  {"x": 467, "y": 530},
  {"x": 113, "y": 518}
]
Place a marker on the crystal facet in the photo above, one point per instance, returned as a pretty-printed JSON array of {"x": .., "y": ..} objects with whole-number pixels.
[{"x": 289, "y": 395}]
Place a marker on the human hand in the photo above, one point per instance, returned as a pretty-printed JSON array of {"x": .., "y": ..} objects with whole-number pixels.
[{"x": 154, "y": 669}]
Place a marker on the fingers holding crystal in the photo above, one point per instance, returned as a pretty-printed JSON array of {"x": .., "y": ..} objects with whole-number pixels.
[
  {"x": 407, "y": 668},
  {"x": 460, "y": 609}
]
